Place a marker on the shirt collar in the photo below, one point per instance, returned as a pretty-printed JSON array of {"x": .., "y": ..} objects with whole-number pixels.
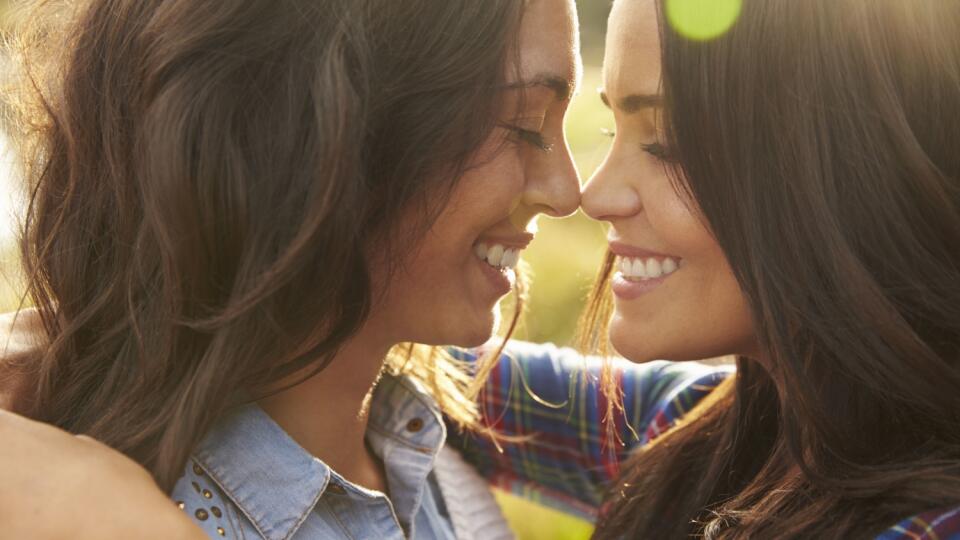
[
  {"x": 273, "y": 481},
  {"x": 276, "y": 483},
  {"x": 406, "y": 431}
]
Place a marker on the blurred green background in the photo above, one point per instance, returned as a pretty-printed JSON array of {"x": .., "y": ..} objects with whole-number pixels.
[{"x": 563, "y": 259}]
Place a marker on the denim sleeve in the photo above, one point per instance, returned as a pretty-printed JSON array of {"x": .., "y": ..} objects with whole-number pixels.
[{"x": 550, "y": 399}]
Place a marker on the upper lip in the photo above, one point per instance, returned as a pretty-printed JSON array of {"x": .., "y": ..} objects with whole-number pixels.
[
  {"x": 626, "y": 250},
  {"x": 516, "y": 241}
]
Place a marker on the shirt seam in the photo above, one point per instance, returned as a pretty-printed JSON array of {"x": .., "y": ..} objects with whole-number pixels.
[
  {"x": 396, "y": 438},
  {"x": 336, "y": 518}
]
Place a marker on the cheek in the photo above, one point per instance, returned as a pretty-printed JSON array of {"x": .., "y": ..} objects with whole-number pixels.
[
  {"x": 700, "y": 312},
  {"x": 439, "y": 296}
]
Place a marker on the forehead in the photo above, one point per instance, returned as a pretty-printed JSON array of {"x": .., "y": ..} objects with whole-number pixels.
[
  {"x": 548, "y": 40},
  {"x": 631, "y": 64}
]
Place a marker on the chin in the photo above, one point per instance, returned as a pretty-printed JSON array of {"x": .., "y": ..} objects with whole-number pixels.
[
  {"x": 478, "y": 333},
  {"x": 462, "y": 331},
  {"x": 640, "y": 347}
]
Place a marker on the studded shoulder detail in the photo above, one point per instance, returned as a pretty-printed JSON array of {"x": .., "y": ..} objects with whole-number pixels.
[{"x": 203, "y": 501}]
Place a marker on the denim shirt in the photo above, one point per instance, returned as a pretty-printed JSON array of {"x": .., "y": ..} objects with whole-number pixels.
[{"x": 249, "y": 479}]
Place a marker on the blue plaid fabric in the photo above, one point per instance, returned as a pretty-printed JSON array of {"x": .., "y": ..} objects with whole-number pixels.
[{"x": 550, "y": 398}]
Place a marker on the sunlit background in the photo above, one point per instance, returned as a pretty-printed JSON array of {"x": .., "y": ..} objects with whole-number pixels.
[{"x": 563, "y": 258}]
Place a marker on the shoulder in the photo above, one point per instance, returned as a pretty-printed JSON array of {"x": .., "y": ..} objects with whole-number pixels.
[
  {"x": 934, "y": 525},
  {"x": 205, "y": 503}
]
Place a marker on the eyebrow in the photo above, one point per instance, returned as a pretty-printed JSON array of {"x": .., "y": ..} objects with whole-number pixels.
[
  {"x": 561, "y": 86},
  {"x": 635, "y": 102}
]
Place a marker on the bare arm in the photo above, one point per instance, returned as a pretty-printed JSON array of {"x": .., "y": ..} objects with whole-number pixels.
[{"x": 56, "y": 486}]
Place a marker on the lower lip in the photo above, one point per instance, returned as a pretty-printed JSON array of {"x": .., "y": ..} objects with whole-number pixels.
[
  {"x": 629, "y": 290},
  {"x": 502, "y": 281}
]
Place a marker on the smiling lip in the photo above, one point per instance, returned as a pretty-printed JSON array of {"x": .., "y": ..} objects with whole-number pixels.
[
  {"x": 515, "y": 241},
  {"x": 625, "y": 250},
  {"x": 631, "y": 288},
  {"x": 502, "y": 279}
]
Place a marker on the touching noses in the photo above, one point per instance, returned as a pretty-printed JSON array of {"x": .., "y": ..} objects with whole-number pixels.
[{"x": 609, "y": 194}]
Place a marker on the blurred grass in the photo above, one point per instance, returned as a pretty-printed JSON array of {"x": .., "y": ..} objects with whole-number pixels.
[{"x": 531, "y": 521}]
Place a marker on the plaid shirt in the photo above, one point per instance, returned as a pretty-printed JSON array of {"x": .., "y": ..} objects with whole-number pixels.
[{"x": 564, "y": 463}]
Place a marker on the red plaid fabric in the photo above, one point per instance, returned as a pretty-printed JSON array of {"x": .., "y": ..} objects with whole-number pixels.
[{"x": 550, "y": 397}]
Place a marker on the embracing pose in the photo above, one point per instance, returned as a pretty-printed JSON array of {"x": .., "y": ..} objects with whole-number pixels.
[{"x": 230, "y": 234}]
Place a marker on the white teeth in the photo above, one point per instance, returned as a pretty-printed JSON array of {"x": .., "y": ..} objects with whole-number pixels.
[
  {"x": 494, "y": 255},
  {"x": 654, "y": 270},
  {"x": 481, "y": 251},
  {"x": 510, "y": 258},
  {"x": 647, "y": 268},
  {"x": 497, "y": 255}
]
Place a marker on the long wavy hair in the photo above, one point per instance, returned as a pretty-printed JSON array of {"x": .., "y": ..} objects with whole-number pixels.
[
  {"x": 206, "y": 178},
  {"x": 821, "y": 142}
]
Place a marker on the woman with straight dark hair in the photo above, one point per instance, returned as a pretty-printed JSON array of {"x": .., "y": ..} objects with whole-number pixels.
[
  {"x": 804, "y": 169},
  {"x": 789, "y": 193},
  {"x": 242, "y": 214}
]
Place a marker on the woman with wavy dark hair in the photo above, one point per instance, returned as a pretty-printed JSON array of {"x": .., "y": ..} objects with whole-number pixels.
[
  {"x": 240, "y": 208},
  {"x": 787, "y": 193}
]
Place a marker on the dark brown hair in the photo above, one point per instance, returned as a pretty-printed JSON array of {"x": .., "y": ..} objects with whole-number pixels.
[
  {"x": 207, "y": 178},
  {"x": 820, "y": 140}
]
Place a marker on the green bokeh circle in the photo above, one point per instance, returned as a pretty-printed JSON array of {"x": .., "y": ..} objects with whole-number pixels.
[{"x": 702, "y": 19}]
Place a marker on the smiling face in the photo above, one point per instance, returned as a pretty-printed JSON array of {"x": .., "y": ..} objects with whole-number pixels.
[
  {"x": 676, "y": 296},
  {"x": 447, "y": 290}
]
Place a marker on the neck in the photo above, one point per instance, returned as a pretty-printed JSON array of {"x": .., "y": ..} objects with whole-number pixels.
[{"x": 327, "y": 416}]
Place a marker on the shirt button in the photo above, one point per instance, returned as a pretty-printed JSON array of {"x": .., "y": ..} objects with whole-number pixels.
[
  {"x": 336, "y": 489},
  {"x": 414, "y": 425}
]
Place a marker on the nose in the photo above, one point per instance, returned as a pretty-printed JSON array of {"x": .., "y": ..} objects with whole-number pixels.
[
  {"x": 609, "y": 193},
  {"x": 553, "y": 184}
]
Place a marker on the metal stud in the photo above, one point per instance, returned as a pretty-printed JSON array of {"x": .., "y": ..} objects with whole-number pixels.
[
  {"x": 197, "y": 470},
  {"x": 180, "y": 505},
  {"x": 221, "y": 532},
  {"x": 207, "y": 494},
  {"x": 216, "y": 511},
  {"x": 414, "y": 425},
  {"x": 202, "y": 514},
  {"x": 196, "y": 487}
]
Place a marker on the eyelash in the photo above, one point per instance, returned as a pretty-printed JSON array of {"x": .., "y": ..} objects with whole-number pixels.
[
  {"x": 656, "y": 150},
  {"x": 533, "y": 138}
]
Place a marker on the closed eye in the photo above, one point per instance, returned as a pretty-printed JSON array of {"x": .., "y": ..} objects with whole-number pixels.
[
  {"x": 534, "y": 138},
  {"x": 658, "y": 151}
]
